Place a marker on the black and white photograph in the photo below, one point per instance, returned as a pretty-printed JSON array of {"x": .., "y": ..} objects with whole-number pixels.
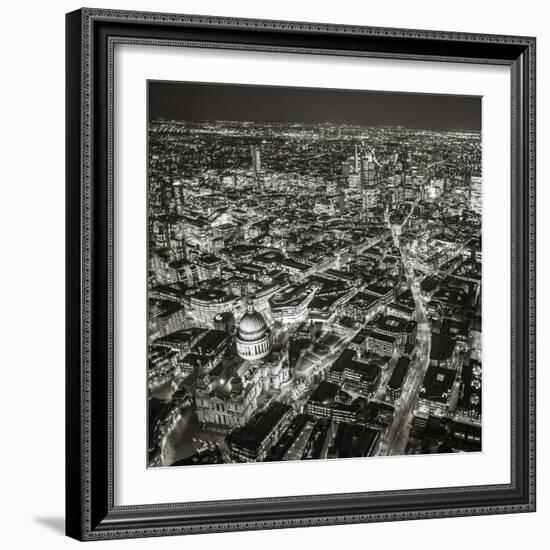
[
  {"x": 314, "y": 274},
  {"x": 283, "y": 258}
]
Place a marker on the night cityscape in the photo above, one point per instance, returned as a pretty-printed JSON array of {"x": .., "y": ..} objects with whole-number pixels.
[{"x": 314, "y": 290}]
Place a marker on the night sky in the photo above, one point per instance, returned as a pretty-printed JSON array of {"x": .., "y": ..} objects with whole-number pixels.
[{"x": 200, "y": 101}]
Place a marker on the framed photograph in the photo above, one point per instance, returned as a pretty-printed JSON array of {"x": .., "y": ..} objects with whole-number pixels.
[{"x": 300, "y": 274}]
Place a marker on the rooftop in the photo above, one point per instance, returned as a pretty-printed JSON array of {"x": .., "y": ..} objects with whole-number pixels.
[
  {"x": 442, "y": 347},
  {"x": 399, "y": 372},
  {"x": 292, "y": 296},
  {"x": 211, "y": 341},
  {"x": 325, "y": 392},
  {"x": 354, "y": 441},
  {"x": 363, "y": 300},
  {"x": 254, "y": 432},
  {"x": 379, "y": 290},
  {"x": 369, "y": 371},
  {"x": 438, "y": 382},
  {"x": 180, "y": 336},
  {"x": 382, "y": 337},
  {"x": 391, "y": 323},
  {"x": 346, "y": 361}
]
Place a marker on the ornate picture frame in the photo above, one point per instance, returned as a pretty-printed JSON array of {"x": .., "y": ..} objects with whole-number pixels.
[{"x": 90, "y": 330}]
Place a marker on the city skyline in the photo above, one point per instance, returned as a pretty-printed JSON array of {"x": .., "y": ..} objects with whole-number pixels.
[
  {"x": 197, "y": 101},
  {"x": 314, "y": 288}
]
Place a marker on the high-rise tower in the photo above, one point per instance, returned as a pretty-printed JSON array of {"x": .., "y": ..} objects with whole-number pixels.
[
  {"x": 256, "y": 165},
  {"x": 369, "y": 187}
]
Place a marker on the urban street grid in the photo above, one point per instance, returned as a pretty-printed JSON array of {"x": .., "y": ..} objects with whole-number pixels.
[{"x": 314, "y": 290}]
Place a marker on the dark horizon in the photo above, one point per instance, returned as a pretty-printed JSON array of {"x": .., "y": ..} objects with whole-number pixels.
[{"x": 197, "y": 101}]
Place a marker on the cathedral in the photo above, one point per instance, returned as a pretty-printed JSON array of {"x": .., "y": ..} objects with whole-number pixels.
[{"x": 229, "y": 399}]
